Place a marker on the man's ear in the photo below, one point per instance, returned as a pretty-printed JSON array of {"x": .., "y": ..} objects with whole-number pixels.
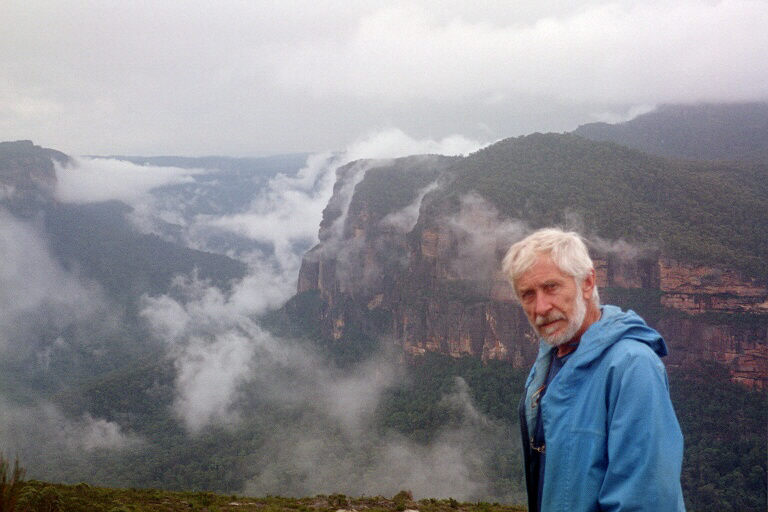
[{"x": 588, "y": 285}]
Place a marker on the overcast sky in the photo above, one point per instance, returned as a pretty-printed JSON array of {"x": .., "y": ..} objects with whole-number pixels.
[{"x": 262, "y": 77}]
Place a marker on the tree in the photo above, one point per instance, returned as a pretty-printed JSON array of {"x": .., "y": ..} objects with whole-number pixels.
[{"x": 10, "y": 484}]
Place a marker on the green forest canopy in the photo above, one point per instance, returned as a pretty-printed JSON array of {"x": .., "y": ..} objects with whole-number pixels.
[{"x": 704, "y": 212}]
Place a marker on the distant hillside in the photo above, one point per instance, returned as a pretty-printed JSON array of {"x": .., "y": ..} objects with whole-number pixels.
[
  {"x": 704, "y": 213},
  {"x": 264, "y": 165},
  {"x": 737, "y": 131},
  {"x": 27, "y": 176},
  {"x": 95, "y": 244},
  {"x": 26, "y": 149},
  {"x": 97, "y": 239}
]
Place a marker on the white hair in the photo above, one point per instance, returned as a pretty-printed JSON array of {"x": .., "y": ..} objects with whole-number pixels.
[{"x": 566, "y": 248}]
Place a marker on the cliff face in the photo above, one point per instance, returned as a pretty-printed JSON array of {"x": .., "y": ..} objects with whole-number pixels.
[
  {"x": 702, "y": 289},
  {"x": 435, "y": 287},
  {"x": 740, "y": 346}
]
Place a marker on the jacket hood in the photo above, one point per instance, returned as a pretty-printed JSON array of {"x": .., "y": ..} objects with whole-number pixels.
[{"x": 615, "y": 324}]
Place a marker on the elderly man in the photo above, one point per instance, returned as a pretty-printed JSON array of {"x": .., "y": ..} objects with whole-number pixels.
[{"x": 599, "y": 431}]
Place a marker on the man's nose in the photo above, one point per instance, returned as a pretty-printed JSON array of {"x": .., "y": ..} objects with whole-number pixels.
[{"x": 543, "y": 305}]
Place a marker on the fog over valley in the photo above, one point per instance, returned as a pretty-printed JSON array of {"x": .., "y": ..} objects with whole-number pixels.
[{"x": 226, "y": 372}]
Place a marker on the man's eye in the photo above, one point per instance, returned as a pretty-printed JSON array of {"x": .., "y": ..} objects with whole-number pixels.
[
  {"x": 550, "y": 287},
  {"x": 527, "y": 296}
]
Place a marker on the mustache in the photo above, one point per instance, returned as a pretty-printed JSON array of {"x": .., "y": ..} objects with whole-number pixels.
[{"x": 545, "y": 319}]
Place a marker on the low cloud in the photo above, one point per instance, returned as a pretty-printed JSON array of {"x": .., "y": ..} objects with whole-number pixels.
[
  {"x": 228, "y": 367},
  {"x": 211, "y": 343},
  {"x": 41, "y": 432},
  {"x": 613, "y": 117},
  {"x": 91, "y": 433},
  {"x": 53, "y": 327},
  {"x": 405, "y": 219},
  {"x": 284, "y": 216},
  {"x": 482, "y": 235},
  {"x": 213, "y": 336},
  {"x": 351, "y": 398},
  {"x": 364, "y": 461},
  {"x": 394, "y": 143},
  {"x": 36, "y": 291},
  {"x": 221, "y": 354},
  {"x": 623, "y": 250},
  {"x": 385, "y": 145},
  {"x": 89, "y": 180},
  {"x": 209, "y": 372}
]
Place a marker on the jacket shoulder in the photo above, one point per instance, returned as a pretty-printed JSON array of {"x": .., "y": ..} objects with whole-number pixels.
[
  {"x": 633, "y": 367},
  {"x": 626, "y": 353}
]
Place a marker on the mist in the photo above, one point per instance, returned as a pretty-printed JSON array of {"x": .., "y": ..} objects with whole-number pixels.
[
  {"x": 56, "y": 327},
  {"x": 229, "y": 370},
  {"x": 405, "y": 219},
  {"x": 361, "y": 461},
  {"x": 39, "y": 298},
  {"x": 482, "y": 236},
  {"x": 90, "y": 180}
]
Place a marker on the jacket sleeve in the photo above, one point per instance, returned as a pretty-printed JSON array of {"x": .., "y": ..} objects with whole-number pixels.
[{"x": 644, "y": 443}]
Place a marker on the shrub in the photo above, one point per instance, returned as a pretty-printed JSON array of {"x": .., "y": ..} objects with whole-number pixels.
[{"x": 400, "y": 499}]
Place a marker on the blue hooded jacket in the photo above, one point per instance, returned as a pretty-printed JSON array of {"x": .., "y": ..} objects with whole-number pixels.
[{"x": 613, "y": 442}]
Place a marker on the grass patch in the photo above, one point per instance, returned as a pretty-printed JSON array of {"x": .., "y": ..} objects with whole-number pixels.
[{"x": 36, "y": 495}]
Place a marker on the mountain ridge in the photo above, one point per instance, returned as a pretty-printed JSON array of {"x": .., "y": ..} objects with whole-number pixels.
[{"x": 703, "y": 131}]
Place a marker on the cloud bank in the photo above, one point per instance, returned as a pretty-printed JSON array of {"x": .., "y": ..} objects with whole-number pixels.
[
  {"x": 617, "y": 52},
  {"x": 243, "y": 79}
]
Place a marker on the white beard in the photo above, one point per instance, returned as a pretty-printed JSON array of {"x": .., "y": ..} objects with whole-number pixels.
[{"x": 574, "y": 323}]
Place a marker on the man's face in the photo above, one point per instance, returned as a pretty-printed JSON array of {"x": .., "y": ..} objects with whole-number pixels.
[{"x": 554, "y": 305}]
